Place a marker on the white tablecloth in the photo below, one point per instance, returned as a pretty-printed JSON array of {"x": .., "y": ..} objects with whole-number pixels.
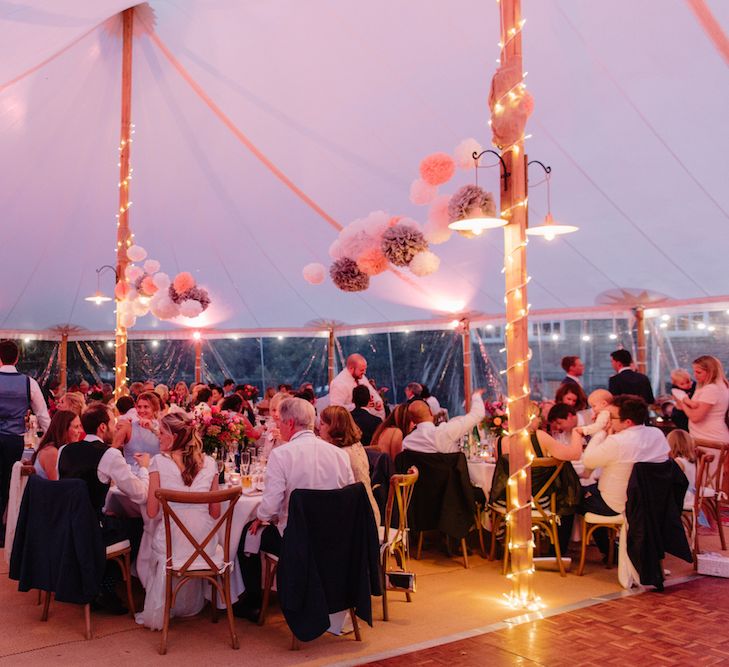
[
  {"x": 482, "y": 474},
  {"x": 244, "y": 511},
  {"x": 17, "y": 487}
]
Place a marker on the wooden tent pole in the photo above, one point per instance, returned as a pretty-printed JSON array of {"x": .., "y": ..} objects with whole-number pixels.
[
  {"x": 330, "y": 350},
  {"x": 198, "y": 360},
  {"x": 640, "y": 323},
  {"x": 467, "y": 384},
  {"x": 123, "y": 233},
  {"x": 513, "y": 207},
  {"x": 63, "y": 362}
]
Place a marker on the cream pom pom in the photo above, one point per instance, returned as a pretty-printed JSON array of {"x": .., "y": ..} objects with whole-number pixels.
[
  {"x": 127, "y": 320},
  {"x": 133, "y": 273},
  {"x": 136, "y": 253},
  {"x": 140, "y": 308},
  {"x": 421, "y": 193},
  {"x": 463, "y": 153},
  {"x": 335, "y": 250},
  {"x": 314, "y": 273},
  {"x": 151, "y": 266},
  {"x": 424, "y": 263},
  {"x": 190, "y": 308},
  {"x": 162, "y": 280},
  {"x": 163, "y": 307}
]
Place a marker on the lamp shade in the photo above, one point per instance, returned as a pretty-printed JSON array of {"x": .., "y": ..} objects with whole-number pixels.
[
  {"x": 550, "y": 230},
  {"x": 98, "y": 298}
]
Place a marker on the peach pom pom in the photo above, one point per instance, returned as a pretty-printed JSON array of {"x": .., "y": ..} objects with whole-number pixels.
[
  {"x": 151, "y": 266},
  {"x": 183, "y": 282},
  {"x": 437, "y": 168},
  {"x": 463, "y": 153},
  {"x": 127, "y": 320},
  {"x": 394, "y": 220},
  {"x": 421, "y": 193},
  {"x": 436, "y": 228},
  {"x": 424, "y": 263},
  {"x": 136, "y": 253},
  {"x": 148, "y": 286},
  {"x": 161, "y": 280},
  {"x": 372, "y": 262},
  {"x": 133, "y": 273},
  {"x": 314, "y": 273}
]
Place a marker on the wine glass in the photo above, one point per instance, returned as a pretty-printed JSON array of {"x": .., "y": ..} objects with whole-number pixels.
[{"x": 245, "y": 462}]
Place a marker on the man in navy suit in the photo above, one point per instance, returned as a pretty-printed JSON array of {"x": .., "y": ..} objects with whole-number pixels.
[
  {"x": 574, "y": 368},
  {"x": 628, "y": 381}
]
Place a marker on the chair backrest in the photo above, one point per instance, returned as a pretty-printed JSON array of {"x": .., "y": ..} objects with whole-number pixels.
[
  {"x": 167, "y": 496},
  {"x": 547, "y": 462},
  {"x": 703, "y": 462},
  {"x": 715, "y": 476},
  {"x": 401, "y": 490}
]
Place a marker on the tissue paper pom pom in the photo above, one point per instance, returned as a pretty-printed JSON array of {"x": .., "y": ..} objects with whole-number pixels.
[
  {"x": 437, "y": 168},
  {"x": 469, "y": 200},
  {"x": 190, "y": 308},
  {"x": 394, "y": 220},
  {"x": 151, "y": 266},
  {"x": 162, "y": 280},
  {"x": 347, "y": 276},
  {"x": 148, "y": 286},
  {"x": 136, "y": 253},
  {"x": 133, "y": 273},
  {"x": 463, "y": 153},
  {"x": 377, "y": 222},
  {"x": 409, "y": 222},
  {"x": 424, "y": 263},
  {"x": 372, "y": 262},
  {"x": 436, "y": 228},
  {"x": 140, "y": 308},
  {"x": 195, "y": 293},
  {"x": 314, "y": 273},
  {"x": 335, "y": 250},
  {"x": 121, "y": 290},
  {"x": 421, "y": 193},
  {"x": 401, "y": 243},
  {"x": 127, "y": 320},
  {"x": 163, "y": 307},
  {"x": 436, "y": 235},
  {"x": 183, "y": 282}
]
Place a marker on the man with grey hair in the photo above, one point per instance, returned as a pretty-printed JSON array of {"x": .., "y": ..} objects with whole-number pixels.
[
  {"x": 340, "y": 391},
  {"x": 413, "y": 390},
  {"x": 303, "y": 462}
]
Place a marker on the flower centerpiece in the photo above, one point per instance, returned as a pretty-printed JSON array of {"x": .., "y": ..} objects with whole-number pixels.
[
  {"x": 219, "y": 429},
  {"x": 496, "y": 420}
]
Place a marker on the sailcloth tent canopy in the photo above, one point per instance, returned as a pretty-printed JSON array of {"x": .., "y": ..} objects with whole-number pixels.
[{"x": 345, "y": 99}]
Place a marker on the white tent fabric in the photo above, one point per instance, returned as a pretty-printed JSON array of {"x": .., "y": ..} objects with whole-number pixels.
[{"x": 346, "y": 98}]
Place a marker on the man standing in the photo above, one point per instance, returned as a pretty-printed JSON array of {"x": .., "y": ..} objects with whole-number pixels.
[
  {"x": 574, "y": 368},
  {"x": 228, "y": 386},
  {"x": 340, "y": 391},
  {"x": 446, "y": 437},
  {"x": 18, "y": 394},
  {"x": 303, "y": 462},
  {"x": 628, "y": 381},
  {"x": 366, "y": 421},
  {"x": 630, "y": 442}
]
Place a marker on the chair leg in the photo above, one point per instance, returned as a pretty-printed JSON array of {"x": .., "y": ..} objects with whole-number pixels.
[
  {"x": 479, "y": 528},
  {"x": 355, "y": 625},
  {"x": 87, "y": 619},
  {"x": 40, "y": 597},
  {"x": 420, "y": 546},
  {"x": 168, "y": 608},
  {"x": 270, "y": 569},
  {"x": 464, "y": 547},
  {"x": 385, "y": 610},
  {"x": 507, "y": 539},
  {"x": 494, "y": 527},
  {"x": 583, "y": 550},
  {"x": 721, "y": 527},
  {"x": 557, "y": 551},
  {"x": 46, "y": 606},
  {"x": 127, "y": 572},
  {"x": 214, "y": 604},
  {"x": 229, "y": 610}
]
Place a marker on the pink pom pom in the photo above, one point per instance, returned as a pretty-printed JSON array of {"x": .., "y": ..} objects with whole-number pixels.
[
  {"x": 183, "y": 282},
  {"x": 148, "y": 286},
  {"x": 424, "y": 263},
  {"x": 128, "y": 320},
  {"x": 151, "y": 266},
  {"x": 437, "y": 235},
  {"x": 314, "y": 273},
  {"x": 163, "y": 307},
  {"x": 394, "y": 220},
  {"x": 436, "y": 228},
  {"x": 140, "y": 309},
  {"x": 190, "y": 308},
  {"x": 133, "y": 273},
  {"x": 409, "y": 222},
  {"x": 463, "y": 153},
  {"x": 421, "y": 193},
  {"x": 161, "y": 280},
  {"x": 136, "y": 253},
  {"x": 437, "y": 168},
  {"x": 335, "y": 250},
  {"x": 372, "y": 262}
]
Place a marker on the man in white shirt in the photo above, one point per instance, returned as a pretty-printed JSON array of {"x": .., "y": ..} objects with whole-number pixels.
[
  {"x": 629, "y": 442},
  {"x": 18, "y": 394},
  {"x": 303, "y": 462},
  {"x": 340, "y": 391},
  {"x": 446, "y": 437}
]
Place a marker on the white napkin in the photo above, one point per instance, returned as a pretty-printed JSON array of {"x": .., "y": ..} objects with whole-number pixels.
[{"x": 252, "y": 545}]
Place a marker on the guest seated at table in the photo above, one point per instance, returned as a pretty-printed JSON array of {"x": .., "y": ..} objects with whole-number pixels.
[
  {"x": 338, "y": 428},
  {"x": 140, "y": 434},
  {"x": 73, "y": 401},
  {"x": 272, "y": 436},
  {"x": 65, "y": 427},
  {"x": 431, "y": 400},
  {"x": 389, "y": 434},
  {"x": 446, "y": 437},
  {"x": 572, "y": 394},
  {"x": 98, "y": 464},
  {"x": 630, "y": 442},
  {"x": 181, "y": 466},
  {"x": 413, "y": 390},
  {"x": 135, "y": 389},
  {"x": 181, "y": 395},
  {"x": 365, "y": 420},
  {"x": 163, "y": 393},
  {"x": 263, "y": 405},
  {"x": 234, "y": 403},
  {"x": 303, "y": 462},
  {"x": 562, "y": 419},
  {"x": 567, "y": 483}
]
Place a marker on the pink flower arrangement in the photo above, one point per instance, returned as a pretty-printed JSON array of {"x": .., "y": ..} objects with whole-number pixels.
[
  {"x": 219, "y": 428},
  {"x": 496, "y": 420}
]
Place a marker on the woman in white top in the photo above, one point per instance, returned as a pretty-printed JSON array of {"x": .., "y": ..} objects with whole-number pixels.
[
  {"x": 707, "y": 408},
  {"x": 181, "y": 466}
]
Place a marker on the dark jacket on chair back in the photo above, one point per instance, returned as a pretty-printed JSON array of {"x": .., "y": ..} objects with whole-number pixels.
[
  {"x": 58, "y": 544},
  {"x": 80, "y": 460},
  {"x": 443, "y": 495},
  {"x": 329, "y": 558},
  {"x": 653, "y": 512}
]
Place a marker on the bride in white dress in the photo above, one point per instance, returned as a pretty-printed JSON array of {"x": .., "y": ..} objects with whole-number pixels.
[{"x": 181, "y": 466}]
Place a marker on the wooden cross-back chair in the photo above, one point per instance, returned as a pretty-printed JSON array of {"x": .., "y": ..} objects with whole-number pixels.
[
  {"x": 690, "y": 514},
  {"x": 217, "y": 574},
  {"x": 394, "y": 541},
  {"x": 713, "y": 491},
  {"x": 547, "y": 519}
]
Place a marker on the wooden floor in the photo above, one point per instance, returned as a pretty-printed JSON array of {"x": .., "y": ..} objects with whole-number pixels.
[{"x": 685, "y": 625}]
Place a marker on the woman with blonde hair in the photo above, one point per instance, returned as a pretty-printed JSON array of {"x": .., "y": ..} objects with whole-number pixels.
[
  {"x": 140, "y": 435},
  {"x": 683, "y": 452},
  {"x": 272, "y": 437},
  {"x": 707, "y": 408},
  {"x": 73, "y": 401},
  {"x": 338, "y": 427},
  {"x": 181, "y": 466}
]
